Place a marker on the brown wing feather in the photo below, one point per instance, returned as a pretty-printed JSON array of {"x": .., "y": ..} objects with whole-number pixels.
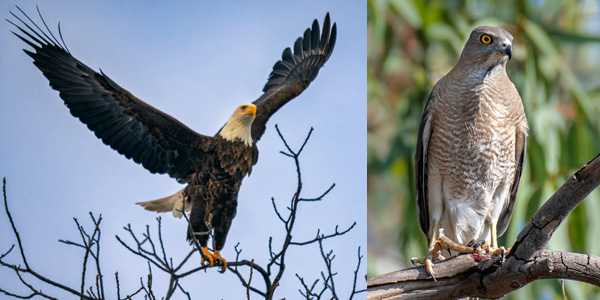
[
  {"x": 421, "y": 169},
  {"x": 125, "y": 123},
  {"x": 294, "y": 72},
  {"x": 505, "y": 215}
]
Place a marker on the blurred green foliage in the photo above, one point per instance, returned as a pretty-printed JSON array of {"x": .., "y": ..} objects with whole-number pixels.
[{"x": 556, "y": 68}]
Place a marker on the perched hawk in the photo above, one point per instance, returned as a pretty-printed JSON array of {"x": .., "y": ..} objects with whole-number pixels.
[
  {"x": 471, "y": 147},
  {"x": 212, "y": 166}
]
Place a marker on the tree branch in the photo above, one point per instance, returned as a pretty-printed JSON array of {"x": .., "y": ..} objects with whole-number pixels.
[
  {"x": 153, "y": 251},
  {"x": 485, "y": 276}
]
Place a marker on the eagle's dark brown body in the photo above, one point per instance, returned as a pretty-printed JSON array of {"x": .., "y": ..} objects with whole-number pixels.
[{"x": 213, "y": 191}]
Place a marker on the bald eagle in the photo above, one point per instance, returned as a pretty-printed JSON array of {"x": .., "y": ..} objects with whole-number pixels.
[{"x": 212, "y": 166}]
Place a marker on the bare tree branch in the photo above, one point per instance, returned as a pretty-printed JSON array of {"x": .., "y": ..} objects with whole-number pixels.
[
  {"x": 354, "y": 291},
  {"x": 328, "y": 258},
  {"x": 153, "y": 251},
  {"x": 324, "y": 237},
  {"x": 88, "y": 241},
  {"x": 12, "y": 224},
  {"x": 484, "y": 276},
  {"x": 18, "y": 270},
  {"x": 249, "y": 279}
]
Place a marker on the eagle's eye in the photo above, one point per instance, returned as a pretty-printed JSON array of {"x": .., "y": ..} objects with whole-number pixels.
[
  {"x": 486, "y": 39},
  {"x": 243, "y": 107}
]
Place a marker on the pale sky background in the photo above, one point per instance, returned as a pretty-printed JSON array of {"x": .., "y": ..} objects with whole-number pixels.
[{"x": 196, "y": 61}]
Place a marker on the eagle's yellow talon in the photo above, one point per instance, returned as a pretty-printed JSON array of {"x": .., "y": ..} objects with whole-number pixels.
[
  {"x": 212, "y": 258},
  {"x": 209, "y": 256},
  {"x": 218, "y": 256}
]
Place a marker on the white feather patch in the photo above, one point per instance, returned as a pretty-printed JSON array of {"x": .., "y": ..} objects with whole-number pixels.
[
  {"x": 172, "y": 203},
  {"x": 239, "y": 127},
  {"x": 465, "y": 221}
]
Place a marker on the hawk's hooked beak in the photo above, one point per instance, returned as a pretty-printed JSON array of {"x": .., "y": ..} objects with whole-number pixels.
[{"x": 507, "y": 48}]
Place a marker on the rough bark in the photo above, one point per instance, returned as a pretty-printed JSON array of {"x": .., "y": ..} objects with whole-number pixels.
[{"x": 488, "y": 277}]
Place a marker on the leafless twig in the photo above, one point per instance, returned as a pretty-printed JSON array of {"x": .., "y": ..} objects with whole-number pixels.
[
  {"x": 91, "y": 246},
  {"x": 151, "y": 248}
]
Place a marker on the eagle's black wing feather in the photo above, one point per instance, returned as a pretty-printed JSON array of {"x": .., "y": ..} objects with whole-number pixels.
[
  {"x": 127, "y": 124},
  {"x": 294, "y": 72}
]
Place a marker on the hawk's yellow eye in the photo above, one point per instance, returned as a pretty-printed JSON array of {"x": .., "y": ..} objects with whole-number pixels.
[{"x": 486, "y": 39}]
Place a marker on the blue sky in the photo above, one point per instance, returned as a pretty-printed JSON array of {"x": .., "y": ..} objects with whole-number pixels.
[{"x": 195, "y": 61}]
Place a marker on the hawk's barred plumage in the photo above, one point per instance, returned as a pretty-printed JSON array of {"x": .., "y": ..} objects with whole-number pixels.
[{"x": 471, "y": 146}]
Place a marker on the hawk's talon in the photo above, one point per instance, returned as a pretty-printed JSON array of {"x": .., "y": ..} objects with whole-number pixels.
[
  {"x": 427, "y": 262},
  {"x": 429, "y": 268},
  {"x": 438, "y": 257},
  {"x": 497, "y": 251},
  {"x": 478, "y": 247},
  {"x": 416, "y": 262}
]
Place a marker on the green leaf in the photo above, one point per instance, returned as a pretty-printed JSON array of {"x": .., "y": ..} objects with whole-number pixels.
[
  {"x": 408, "y": 11},
  {"x": 572, "y": 37}
]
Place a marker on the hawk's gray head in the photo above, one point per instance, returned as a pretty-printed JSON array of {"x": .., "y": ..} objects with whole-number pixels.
[{"x": 488, "y": 46}]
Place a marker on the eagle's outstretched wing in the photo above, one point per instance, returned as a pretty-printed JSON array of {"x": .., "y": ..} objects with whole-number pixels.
[
  {"x": 294, "y": 72},
  {"x": 125, "y": 123}
]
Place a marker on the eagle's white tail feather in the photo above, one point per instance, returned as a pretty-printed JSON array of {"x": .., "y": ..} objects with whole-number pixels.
[{"x": 172, "y": 203}]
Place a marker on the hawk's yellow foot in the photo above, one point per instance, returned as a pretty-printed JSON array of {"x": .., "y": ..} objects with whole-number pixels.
[
  {"x": 494, "y": 249},
  {"x": 428, "y": 264},
  {"x": 500, "y": 251},
  {"x": 447, "y": 243},
  {"x": 435, "y": 252}
]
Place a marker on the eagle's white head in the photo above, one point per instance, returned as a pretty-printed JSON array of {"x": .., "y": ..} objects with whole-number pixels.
[{"x": 239, "y": 125}]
